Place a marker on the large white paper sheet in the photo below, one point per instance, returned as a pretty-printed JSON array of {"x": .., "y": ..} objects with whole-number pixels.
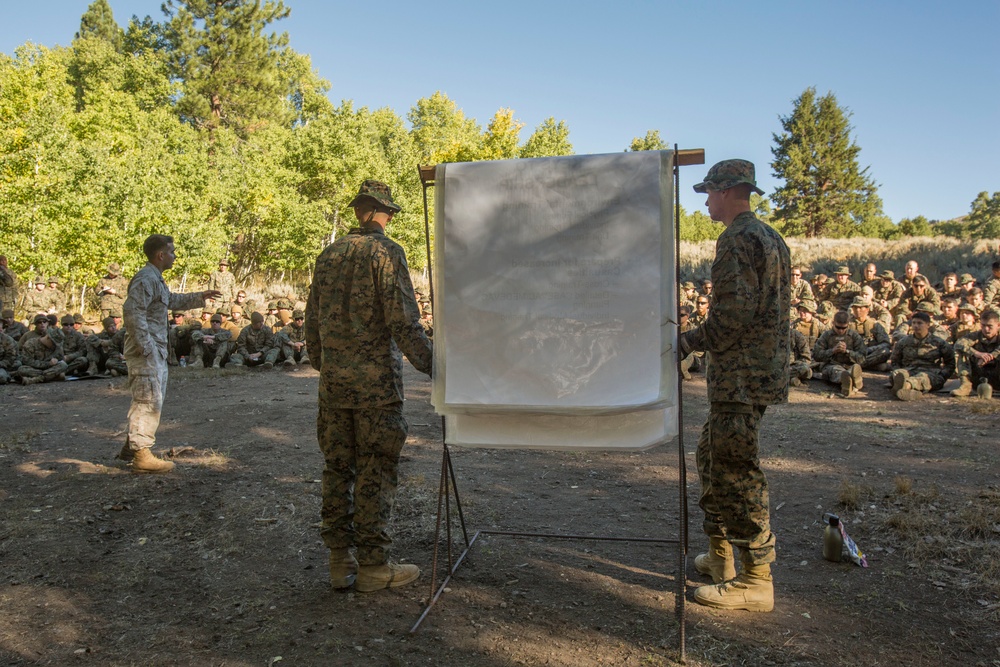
[{"x": 550, "y": 295}]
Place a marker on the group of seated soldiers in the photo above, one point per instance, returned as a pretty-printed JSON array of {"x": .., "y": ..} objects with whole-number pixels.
[{"x": 921, "y": 335}]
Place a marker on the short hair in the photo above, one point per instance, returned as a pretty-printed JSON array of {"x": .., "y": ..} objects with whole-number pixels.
[
  {"x": 989, "y": 315},
  {"x": 155, "y": 243},
  {"x": 950, "y": 274},
  {"x": 952, "y": 300},
  {"x": 841, "y": 317},
  {"x": 996, "y": 266},
  {"x": 922, "y": 316},
  {"x": 975, "y": 291}
]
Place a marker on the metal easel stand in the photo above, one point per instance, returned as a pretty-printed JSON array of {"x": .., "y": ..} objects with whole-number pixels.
[{"x": 449, "y": 486}]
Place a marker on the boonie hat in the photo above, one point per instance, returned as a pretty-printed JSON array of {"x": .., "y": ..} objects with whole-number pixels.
[
  {"x": 380, "y": 193},
  {"x": 861, "y": 302},
  {"x": 966, "y": 278},
  {"x": 808, "y": 305},
  {"x": 728, "y": 173},
  {"x": 968, "y": 307},
  {"x": 887, "y": 275},
  {"x": 114, "y": 268},
  {"x": 40, "y": 317},
  {"x": 841, "y": 270}
]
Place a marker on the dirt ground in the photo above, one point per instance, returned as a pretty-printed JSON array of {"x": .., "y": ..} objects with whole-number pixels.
[{"x": 220, "y": 562}]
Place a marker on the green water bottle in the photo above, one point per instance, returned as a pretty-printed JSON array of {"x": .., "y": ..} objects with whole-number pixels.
[{"x": 833, "y": 541}]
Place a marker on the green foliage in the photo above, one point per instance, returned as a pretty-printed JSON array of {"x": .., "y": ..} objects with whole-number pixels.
[
  {"x": 651, "y": 142},
  {"x": 230, "y": 71},
  {"x": 441, "y": 132},
  {"x": 98, "y": 22},
  {"x": 983, "y": 220},
  {"x": 918, "y": 226},
  {"x": 501, "y": 138},
  {"x": 549, "y": 139},
  {"x": 825, "y": 192},
  {"x": 697, "y": 227}
]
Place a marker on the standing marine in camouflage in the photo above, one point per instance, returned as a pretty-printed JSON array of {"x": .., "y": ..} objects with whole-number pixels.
[
  {"x": 361, "y": 311},
  {"x": 223, "y": 282},
  {"x": 8, "y": 286},
  {"x": 112, "y": 289},
  {"x": 746, "y": 337},
  {"x": 10, "y": 357},
  {"x": 36, "y": 300}
]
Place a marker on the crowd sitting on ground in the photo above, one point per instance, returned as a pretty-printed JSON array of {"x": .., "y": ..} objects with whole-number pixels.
[
  {"x": 920, "y": 334},
  {"x": 53, "y": 345}
]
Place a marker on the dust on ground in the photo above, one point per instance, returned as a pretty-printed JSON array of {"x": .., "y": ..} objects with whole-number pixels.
[{"x": 220, "y": 563}]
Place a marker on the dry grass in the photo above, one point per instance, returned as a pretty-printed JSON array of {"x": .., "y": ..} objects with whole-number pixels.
[
  {"x": 17, "y": 441},
  {"x": 852, "y": 495},
  {"x": 935, "y": 255},
  {"x": 982, "y": 407},
  {"x": 904, "y": 485}
]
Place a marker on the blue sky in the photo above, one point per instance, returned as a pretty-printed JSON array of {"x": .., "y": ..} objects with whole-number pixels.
[{"x": 921, "y": 78}]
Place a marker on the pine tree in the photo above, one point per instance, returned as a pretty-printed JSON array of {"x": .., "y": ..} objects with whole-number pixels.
[
  {"x": 230, "y": 71},
  {"x": 99, "y": 21},
  {"x": 825, "y": 193}
]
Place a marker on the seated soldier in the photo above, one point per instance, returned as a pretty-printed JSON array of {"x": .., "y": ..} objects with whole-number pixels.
[
  {"x": 921, "y": 362},
  {"x": 173, "y": 355},
  {"x": 950, "y": 287},
  {"x": 102, "y": 355},
  {"x": 889, "y": 291},
  {"x": 41, "y": 357},
  {"x": 211, "y": 347},
  {"x": 967, "y": 283},
  {"x": 12, "y": 327},
  {"x": 976, "y": 300},
  {"x": 904, "y": 326},
  {"x": 968, "y": 324},
  {"x": 227, "y": 322},
  {"x": 820, "y": 287},
  {"x": 876, "y": 309},
  {"x": 841, "y": 350},
  {"x": 688, "y": 294},
  {"x": 807, "y": 324},
  {"x": 74, "y": 347},
  {"x": 690, "y": 362},
  {"x": 976, "y": 356},
  {"x": 10, "y": 357},
  {"x": 237, "y": 319},
  {"x": 799, "y": 359},
  {"x": 256, "y": 345},
  {"x": 292, "y": 340},
  {"x": 949, "y": 312},
  {"x": 284, "y": 312},
  {"x": 878, "y": 347},
  {"x": 271, "y": 318}
]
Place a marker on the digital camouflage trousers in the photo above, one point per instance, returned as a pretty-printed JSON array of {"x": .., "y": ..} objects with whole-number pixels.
[
  {"x": 733, "y": 486},
  {"x": 361, "y": 452}
]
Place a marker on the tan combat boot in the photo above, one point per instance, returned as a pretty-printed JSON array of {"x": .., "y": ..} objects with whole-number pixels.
[
  {"x": 898, "y": 378},
  {"x": 965, "y": 389},
  {"x": 718, "y": 563},
  {"x": 857, "y": 377},
  {"x": 389, "y": 575},
  {"x": 145, "y": 461},
  {"x": 32, "y": 380},
  {"x": 908, "y": 393},
  {"x": 751, "y": 590},
  {"x": 343, "y": 568}
]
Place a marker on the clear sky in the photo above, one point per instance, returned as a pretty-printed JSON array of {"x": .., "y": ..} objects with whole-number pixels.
[{"x": 921, "y": 77}]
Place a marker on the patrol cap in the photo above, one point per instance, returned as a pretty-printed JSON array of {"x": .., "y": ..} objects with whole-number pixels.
[
  {"x": 53, "y": 279},
  {"x": 39, "y": 279},
  {"x": 53, "y": 319},
  {"x": 728, "y": 173},
  {"x": 221, "y": 311},
  {"x": 40, "y": 317},
  {"x": 379, "y": 192},
  {"x": 114, "y": 268},
  {"x": 926, "y": 307},
  {"x": 115, "y": 313},
  {"x": 257, "y": 318},
  {"x": 966, "y": 278},
  {"x": 223, "y": 262},
  {"x": 861, "y": 302},
  {"x": 819, "y": 278},
  {"x": 284, "y": 304},
  {"x": 298, "y": 314},
  {"x": 688, "y": 285},
  {"x": 841, "y": 270},
  {"x": 808, "y": 305},
  {"x": 7, "y": 314},
  {"x": 272, "y": 305},
  {"x": 67, "y": 320},
  {"x": 217, "y": 318},
  {"x": 887, "y": 275}
]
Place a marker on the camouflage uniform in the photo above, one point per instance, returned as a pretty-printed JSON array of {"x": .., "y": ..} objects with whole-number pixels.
[
  {"x": 12, "y": 327},
  {"x": 225, "y": 282},
  {"x": 835, "y": 364},
  {"x": 293, "y": 334},
  {"x": 147, "y": 305},
  {"x": 8, "y": 289},
  {"x": 968, "y": 365},
  {"x": 888, "y": 292},
  {"x": 36, "y": 360},
  {"x": 802, "y": 291},
  {"x": 55, "y": 299},
  {"x": 909, "y": 302},
  {"x": 361, "y": 310},
  {"x": 930, "y": 361},
  {"x": 877, "y": 343},
  {"x": 74, "y": 348},
  {"x": 991, "y": 293},
  {"x": 36, "y": 301},
  {"x": 112, "y": 303},
  {"x": 747, "y": 340},
  {"x": 842, "y": 295},
  {"x": 799, "y": 358},
  {"x": 179, "y": 342},
  {"x": 254, "y": 341},
  {"x": 215, "y": 353},
  {"x": 10, "y": 359}
]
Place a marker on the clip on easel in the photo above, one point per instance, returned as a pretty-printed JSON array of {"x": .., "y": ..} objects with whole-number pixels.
[{"x": 448, "y": 484}]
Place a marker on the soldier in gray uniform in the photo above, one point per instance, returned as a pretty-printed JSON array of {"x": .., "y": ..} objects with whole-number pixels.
[
  {"x": 211, "y": 347},
  {"x": 922, "y": 362},
  {"x": 361, "y": 311},
  {"x": 256, "y": 345},
  {"x": 747, "y": 341},
  {"x": 292, "y": 340},
  {"x": 841, "y": 350}
]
